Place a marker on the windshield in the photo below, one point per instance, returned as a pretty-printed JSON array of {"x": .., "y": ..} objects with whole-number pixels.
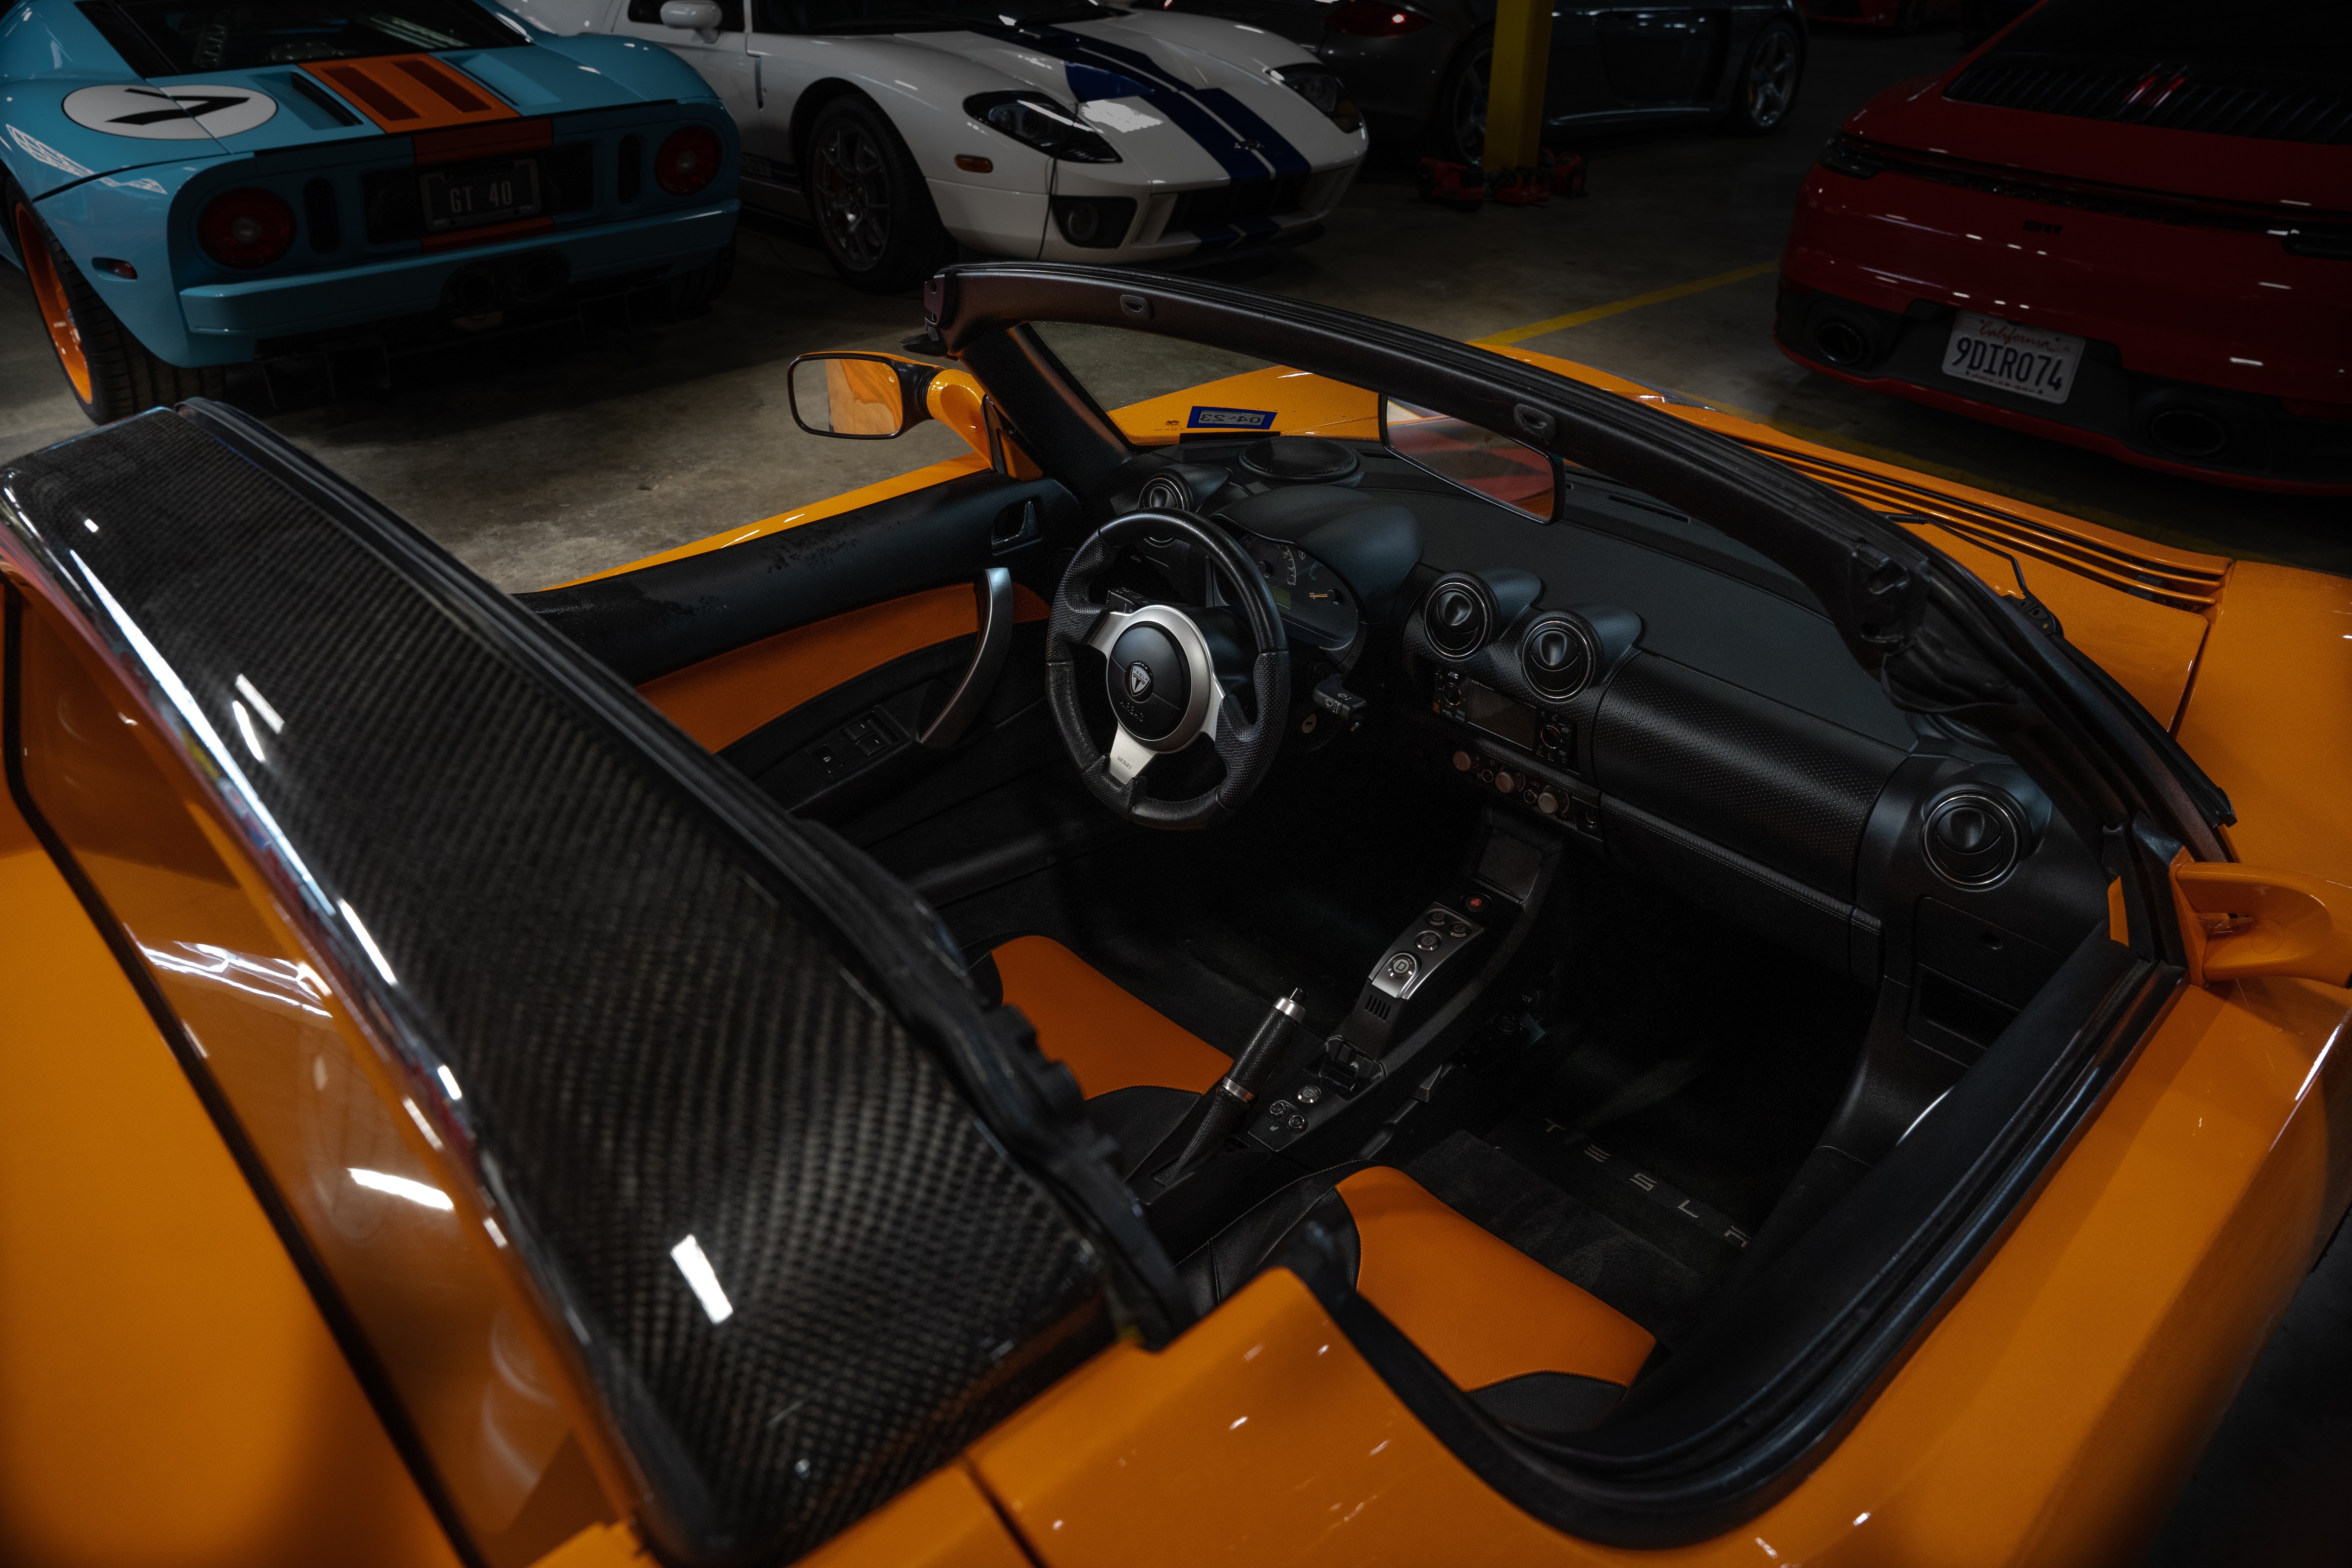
[
  {"x": 244, "y": 33},
  {"x": 1161, "y": 390},
  {"x": 915, "y": 16}
]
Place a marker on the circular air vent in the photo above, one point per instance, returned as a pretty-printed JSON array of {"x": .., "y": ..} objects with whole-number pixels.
[
  {"x": 1556, "y": 655},
  {"x": 1459, "y": 615},
  {"x": 1974, "y": 839},
  {"x": 1163, "y": 492},
  {"x": 1300, "y": 460}
]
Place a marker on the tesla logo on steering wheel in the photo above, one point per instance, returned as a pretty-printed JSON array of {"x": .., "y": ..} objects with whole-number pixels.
[{"x": 1139, "y": 681}]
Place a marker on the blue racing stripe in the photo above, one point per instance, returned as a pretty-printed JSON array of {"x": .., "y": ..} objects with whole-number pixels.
[
  {"x": 1172, "y": 99},
  {"x": 1284, "y": 158}
]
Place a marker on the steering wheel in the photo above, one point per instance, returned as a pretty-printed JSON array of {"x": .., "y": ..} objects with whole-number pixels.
[{"x": 1163, "y": 677}]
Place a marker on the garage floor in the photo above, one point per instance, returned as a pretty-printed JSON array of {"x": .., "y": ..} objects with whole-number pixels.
[{"x": 539, "y": 464}]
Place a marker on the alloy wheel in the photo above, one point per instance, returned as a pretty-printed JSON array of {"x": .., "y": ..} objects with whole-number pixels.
[
  {"x": 1467, "y": 112},
  {"x": 49, "y": 294},
  {"x": 853, "y": 194},
  {"x": 1772, "y": 79}
]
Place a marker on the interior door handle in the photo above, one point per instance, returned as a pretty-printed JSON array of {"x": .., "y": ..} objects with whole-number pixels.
[{"x": 993, "y": 596}]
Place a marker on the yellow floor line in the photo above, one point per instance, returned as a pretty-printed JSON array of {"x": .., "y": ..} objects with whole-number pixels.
[{"x": 1656, "y": 297}]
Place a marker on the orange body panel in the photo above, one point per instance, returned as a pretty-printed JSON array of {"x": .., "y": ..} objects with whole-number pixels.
[
  {"x": 1106, "y": 1037},
  {"x": 921, "y": 478},
  {"x": 599, "y": 1546},
  {"x": 419, "y": 1280},
  {"x": 943, "y": 1520},
  {"x": 170, "y": 1396},
  {"x": 722, "y": 700},
  {"x": 1306, "y": 405},
  {"x": 411, "y": 92},
  {"x": 2270, "y": 717},
  {"x": 2046, "y": 1420},
  {"x": 1480, "y": 1308}
]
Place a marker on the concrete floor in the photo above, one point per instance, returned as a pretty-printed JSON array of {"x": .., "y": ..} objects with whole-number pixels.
[{"x": 538, "y": 466}]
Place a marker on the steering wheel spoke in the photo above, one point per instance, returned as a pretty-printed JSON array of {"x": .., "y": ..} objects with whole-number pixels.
[
  {"x": 1166, "y": 667},
  {"x": 1128, "y": 758},
  {"x": 1104, "y": 635}
]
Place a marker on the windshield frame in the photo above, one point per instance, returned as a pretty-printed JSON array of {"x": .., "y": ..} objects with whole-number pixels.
[{"x": 172, "y": 53}]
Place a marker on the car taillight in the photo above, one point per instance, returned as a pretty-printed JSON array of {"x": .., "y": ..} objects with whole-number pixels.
[
  {"x": 687, "y": 160},
  {"x": 246, "y": 228},
  {"x": 1370, "y": 19}
]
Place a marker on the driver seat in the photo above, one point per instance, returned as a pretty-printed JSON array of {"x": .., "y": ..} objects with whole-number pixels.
[{"x": 1140, "y": 1071}]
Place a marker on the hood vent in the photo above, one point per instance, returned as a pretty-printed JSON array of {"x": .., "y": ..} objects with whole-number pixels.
[{"x": 2217, "y": 101}]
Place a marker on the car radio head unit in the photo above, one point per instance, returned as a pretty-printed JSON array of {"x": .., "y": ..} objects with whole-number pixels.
[{"x": 1496, "y": 714}]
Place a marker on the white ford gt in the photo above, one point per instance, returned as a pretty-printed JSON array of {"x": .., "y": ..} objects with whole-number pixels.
[{"x": 1054, "y": 128}]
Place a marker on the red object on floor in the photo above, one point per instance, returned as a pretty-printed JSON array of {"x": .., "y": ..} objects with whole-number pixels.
[
  {"x": 1563, "y": 171},
  {"x": 1521, "y": 188},
  {"x": 1455, "y": 185}
]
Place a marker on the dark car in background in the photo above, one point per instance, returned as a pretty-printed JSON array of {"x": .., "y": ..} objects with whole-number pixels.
[
  {"x": 1896, "y": 16},
  {"x": 2120, "y": 225},
  {"x": 1417, "y": 70}
]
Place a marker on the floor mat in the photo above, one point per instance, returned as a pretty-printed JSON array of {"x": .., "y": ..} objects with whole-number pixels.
[
  {"x": 1209, "y": 928},
  {"x": 1572, "y": 1238}
]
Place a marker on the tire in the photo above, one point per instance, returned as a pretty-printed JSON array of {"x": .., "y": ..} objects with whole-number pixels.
[
  {"x": 690, "y": 292},
  {"x": 1766, "y": 93},
  {"x": 1457, "y": 113},
  {"x": 872, "y": 209},
  {"x": 110, "y": 373}
]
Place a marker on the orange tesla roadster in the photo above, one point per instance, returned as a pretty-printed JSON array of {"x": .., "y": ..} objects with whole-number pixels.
[{"x": 1721, "y": 1003}]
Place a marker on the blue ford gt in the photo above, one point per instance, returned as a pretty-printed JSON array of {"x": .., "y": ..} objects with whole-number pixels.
[{"x": 191, "y": 184}]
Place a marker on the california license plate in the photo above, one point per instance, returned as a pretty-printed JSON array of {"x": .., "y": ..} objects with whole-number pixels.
[
  {"x": 2027, "y": 361},
  {"x": 479, "y": 193}
]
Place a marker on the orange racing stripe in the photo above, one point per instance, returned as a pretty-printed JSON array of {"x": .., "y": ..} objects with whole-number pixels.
[{"x": 411, "y": 92}]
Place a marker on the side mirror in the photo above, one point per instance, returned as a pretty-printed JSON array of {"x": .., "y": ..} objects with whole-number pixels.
[
  {"x": 699, "y": 17},
  {"x": 856, "y": 396},
  {"x": 2242, "y": 921}
]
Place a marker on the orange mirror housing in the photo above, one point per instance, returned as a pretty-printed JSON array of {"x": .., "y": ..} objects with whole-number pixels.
[{"x": 2244, "y": 920}]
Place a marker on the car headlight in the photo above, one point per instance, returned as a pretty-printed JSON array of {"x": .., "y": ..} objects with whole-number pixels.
[
  {"x": 1319, "y": 86},
  {"x": 1036, "y": 121}
]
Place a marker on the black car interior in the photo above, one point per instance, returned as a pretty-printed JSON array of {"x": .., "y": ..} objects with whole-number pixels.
[{"x": 1559, "y": 878}]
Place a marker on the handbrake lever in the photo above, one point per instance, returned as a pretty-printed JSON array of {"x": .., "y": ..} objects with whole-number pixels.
[{"x": 1230, "y": 1101}]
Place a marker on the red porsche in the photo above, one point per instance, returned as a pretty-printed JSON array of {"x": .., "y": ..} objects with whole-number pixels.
[{"x": 2117, "y": 225}]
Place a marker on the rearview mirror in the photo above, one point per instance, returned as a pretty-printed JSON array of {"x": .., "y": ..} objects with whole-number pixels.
[
  {"x": 691, "y": 16},
  {"x": 1495, "y": 467},
  {"x": 858, "y": 397}
]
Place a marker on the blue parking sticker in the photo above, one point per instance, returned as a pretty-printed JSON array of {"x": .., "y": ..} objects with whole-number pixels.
[{"x": 1231, "y": 419}]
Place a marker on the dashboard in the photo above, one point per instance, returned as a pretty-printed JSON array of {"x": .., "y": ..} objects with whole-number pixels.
[
  {"x": 1649, "y": 689},
  {"x": 1318, "y": 608}
]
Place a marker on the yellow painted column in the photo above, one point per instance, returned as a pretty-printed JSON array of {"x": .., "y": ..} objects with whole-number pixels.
[{"x": 1515, "y": 90}]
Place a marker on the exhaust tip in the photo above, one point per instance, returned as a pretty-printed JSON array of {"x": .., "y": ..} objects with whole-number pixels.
[
  {"x": 1840, "y": 342},
  {"x": 2188, "y": 433},
  {"x": 540, "y": 277},
  {"x": 474, "y": 292}
]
